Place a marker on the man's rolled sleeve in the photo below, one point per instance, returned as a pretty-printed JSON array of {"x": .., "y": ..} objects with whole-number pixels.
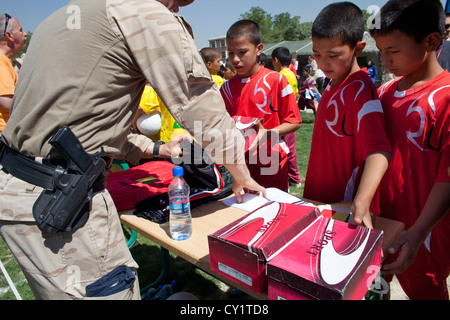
[{"x": 164, "y": 49}]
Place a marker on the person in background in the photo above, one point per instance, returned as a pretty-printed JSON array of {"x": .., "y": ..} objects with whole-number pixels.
[
  {"x": 281, "y": 61},
  {"x": 228, "y": 71},
  {"x": 11, "y": 42},
  {"x": 262, "y": 59},
  {"x": 447, "y": 27},
  {"x": 371, "y": 70},
  {"x": 213, "y": 63},
  {"x": 154, "y": 120},
  {"x": 307, "y": 91}
]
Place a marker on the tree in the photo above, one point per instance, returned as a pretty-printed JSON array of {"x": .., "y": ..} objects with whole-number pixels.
[
  {"x": 263, "y": 19},
  {"x": 279, "y": 27},
  {"x": 285, "y": 27}
]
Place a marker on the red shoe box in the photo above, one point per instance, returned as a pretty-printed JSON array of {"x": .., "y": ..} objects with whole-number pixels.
[
  {"x": 329, "y": 260},
  {"x": 240, "y": 250}
]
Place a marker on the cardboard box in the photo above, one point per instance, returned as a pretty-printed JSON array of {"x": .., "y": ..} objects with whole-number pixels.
[
  {"x": 329, "y": 260},
  {"x": 241, "y": 250},
  {"x": 342, "y": 212}
]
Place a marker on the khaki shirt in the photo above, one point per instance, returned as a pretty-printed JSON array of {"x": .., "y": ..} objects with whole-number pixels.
[{"x": 86, "y": 67}]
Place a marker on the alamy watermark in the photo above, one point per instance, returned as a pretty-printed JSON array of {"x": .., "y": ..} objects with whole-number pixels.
[
  {"x": 376, "y": 282},
  {"x": 74, "y": 20},
  {"x": 373, "y": 22}
]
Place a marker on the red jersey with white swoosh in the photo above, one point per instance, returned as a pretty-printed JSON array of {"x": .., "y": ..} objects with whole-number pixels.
[
  {"x": 266, "y": 95},
  {"x": 417, "y": 125},
  {"x": 349, "y": 126}
]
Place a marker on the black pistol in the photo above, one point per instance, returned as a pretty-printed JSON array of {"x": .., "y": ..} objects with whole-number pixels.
[{"x": 66, "y": 207}]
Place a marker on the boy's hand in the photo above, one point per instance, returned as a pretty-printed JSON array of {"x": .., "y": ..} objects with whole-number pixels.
[
  {"x": 407, "y": 245},
  {"x": 361, "y": 213}
]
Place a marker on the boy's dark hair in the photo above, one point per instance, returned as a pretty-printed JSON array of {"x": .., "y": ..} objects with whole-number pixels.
[
  {"x": 307, "y": 68},
  {"x": 283, "y": 55},
  {"x": 341, "y": 20},
  {"x": 245, "y": 28},
  {"x": 415, "y": 18},
  {"x": 209, "y": 54},
  {"x": 262, "y": 58}
]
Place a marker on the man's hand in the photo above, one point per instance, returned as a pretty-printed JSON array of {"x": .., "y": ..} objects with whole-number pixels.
[
  {"x": 172, "y": 148},
  {"x": 243, "y": 181}
]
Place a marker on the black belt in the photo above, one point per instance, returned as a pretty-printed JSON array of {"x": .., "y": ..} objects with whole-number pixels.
[{"x": 40, "y": 174}]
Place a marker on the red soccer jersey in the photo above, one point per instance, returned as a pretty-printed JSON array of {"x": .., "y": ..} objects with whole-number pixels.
[
  {"x": 349, "y": 126},
  {"x": 418, "y": 127},
  {"x": 266, "y": 95}
]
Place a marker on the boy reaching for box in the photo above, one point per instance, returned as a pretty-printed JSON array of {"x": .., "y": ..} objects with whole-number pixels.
[
  {"x": 260, "y": 93},
  {"x": 416, "y": 187},
  {"x": 349, "y": 152}
]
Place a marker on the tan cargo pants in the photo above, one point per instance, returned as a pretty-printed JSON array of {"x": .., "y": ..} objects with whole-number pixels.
[{"x": 60, "y": 266}]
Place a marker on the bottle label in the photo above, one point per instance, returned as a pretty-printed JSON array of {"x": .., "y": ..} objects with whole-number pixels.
[{"x": 180, "y": 206}]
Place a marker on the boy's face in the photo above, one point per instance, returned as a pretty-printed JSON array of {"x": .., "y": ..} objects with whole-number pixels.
[
  {"x": 214, "y": 66},
  {"x": 228, "y": 74},
  {"x": 400, "y": 53},
  {"x": 334, "y": 58},
  {"x": 243, "y": 56}
]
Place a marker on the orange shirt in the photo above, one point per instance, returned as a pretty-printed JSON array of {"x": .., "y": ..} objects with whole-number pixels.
[{"x": 8, "y": 80}]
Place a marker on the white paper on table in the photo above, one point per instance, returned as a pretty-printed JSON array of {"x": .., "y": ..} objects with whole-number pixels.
[{"x": 251, "y": 202}]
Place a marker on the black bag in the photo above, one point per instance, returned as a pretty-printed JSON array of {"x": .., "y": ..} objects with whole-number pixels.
[{"x": 207, "y": 181}]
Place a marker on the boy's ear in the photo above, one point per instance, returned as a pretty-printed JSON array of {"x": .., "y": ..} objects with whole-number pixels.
[
  {"x": 359, "y": 47},
  {"x": 432, "y": 41},
  {"x": 259, "y": 48}
]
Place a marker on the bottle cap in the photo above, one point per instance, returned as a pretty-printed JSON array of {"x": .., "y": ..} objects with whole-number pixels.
[{"x": 177, "y": 171}]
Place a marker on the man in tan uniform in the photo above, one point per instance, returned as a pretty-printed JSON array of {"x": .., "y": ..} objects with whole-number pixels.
[{"x": 86, "y": 68}]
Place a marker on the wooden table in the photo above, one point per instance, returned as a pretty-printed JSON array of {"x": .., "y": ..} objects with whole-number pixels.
[{"x": 209, "y": 218}]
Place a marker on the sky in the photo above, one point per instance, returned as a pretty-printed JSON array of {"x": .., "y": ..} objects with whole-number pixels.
[{"x": 208, "y": 18}]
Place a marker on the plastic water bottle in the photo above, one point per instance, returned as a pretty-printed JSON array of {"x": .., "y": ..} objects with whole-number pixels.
[
  {"x": 166, "y": 291},
  {"x": 180, "y": 219},
  {"x": 150, "y": 293}
]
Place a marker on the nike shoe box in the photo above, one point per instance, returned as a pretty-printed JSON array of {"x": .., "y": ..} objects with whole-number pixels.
[
  {"x": 240, "y": 250},
  {"x": 328, "y": 260}
]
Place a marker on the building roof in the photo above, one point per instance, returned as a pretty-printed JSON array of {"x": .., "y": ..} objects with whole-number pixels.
[{"x": 304, "y": 47}]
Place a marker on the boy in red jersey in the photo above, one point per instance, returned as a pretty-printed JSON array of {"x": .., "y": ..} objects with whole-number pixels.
[
  {"x": 416, "y": 187},
  {"x": 257, "y": 92},
  {"x": 349, "y": 152}
]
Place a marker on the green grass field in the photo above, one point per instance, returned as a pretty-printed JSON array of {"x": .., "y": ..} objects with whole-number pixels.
[{"x": 147, "y": 253}]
